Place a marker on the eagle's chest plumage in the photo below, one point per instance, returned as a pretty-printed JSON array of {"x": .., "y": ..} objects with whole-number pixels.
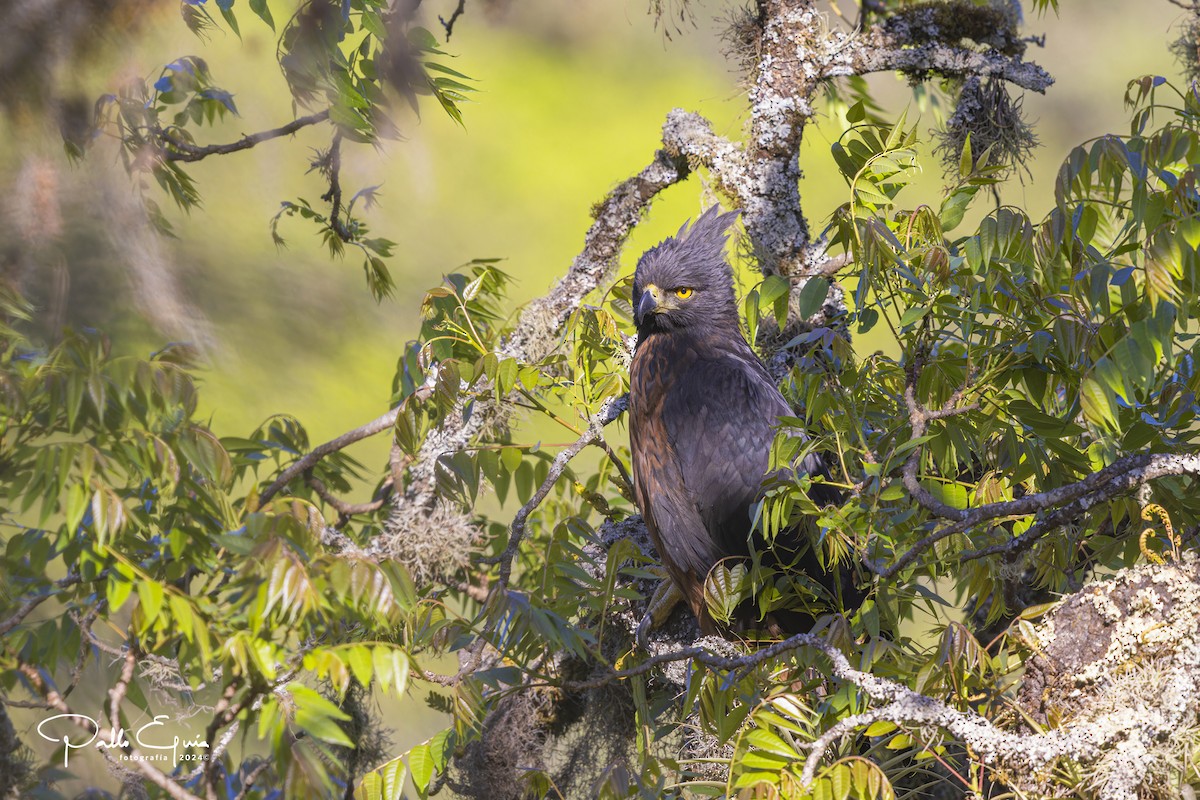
[{"x": 702, "y": 418}]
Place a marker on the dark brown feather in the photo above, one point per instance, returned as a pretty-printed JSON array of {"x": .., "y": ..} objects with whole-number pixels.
[{"x": 702, "y": 415}]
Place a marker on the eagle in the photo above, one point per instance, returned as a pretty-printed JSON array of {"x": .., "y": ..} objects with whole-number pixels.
[{"x": 703, "y": 412}]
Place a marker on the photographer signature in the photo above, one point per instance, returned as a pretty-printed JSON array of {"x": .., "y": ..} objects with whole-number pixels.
[{"x": 143, "y": 736}]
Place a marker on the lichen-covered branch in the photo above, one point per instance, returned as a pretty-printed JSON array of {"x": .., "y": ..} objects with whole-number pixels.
[
  {"x": 1148, "y": 613},
  {"x": 796, "y": 53},
  {"x": 882, "y": 50},
  {"x": 691, "y": 136},
  {"x": 1119, "y": 661},
  {"x": 785, "y": 84}
]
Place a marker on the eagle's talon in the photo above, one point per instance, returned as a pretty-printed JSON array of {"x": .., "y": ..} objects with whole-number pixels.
[
  {"x": 643, "y": 631},
  {"x": 666, "y": 596}
]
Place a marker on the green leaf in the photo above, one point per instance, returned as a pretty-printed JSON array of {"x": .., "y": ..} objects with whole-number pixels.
[
  {"x": 150, "y": 593},
  {"x": 391, "y": 668},
  {"x": 318, "y": 715},
  {"x": 506, "y": 375},
  {"x": 954, "y": 207},
  {"x": 1097, "y": 404},
  {"x": 471, "y": 290},
  {"x": 433, "y": 65},
  {"x": 204, "y": 451},
  {"x": 261, "y": 8},
  {"x": 117, "y": 591},
  {"x": 764, "y": 739},
  {"x": 879, "y": 728},
  {"x": 511, "y": 457},
  {"x": 361, "y": 663},
  {"x": 840, "y": 781},
  {"x": 77, "y": 505},
  {"x": 725, "y": 587},
  {"x": 373, "y": 24},
  {"x": 773, "y": 287},
  {"x": 441, "y": 747},
  {"x": 812, "y": 297},
  {"x": 384, "y": 783},
  {"x": 420, "y": 765},
  {"x": 912, "y": 315},
  {"x": 230, "y": 19},
  {"x": 422, "y": 38},
  {"x": 181, "y": 615}
]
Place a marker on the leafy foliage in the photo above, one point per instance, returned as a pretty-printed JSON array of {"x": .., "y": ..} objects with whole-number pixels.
[
  {"x": 345, "y": 60},
  {"x": 1024, "y": 356}
]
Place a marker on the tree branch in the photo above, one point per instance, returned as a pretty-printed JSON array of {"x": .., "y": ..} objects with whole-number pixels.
[
  {"x": 334, "y": 195},
  {"x": 26, "y": 608},
  {"x": 224, "y": 712},
  {"x": 448, "y": 24},
  {"x": 306, "y": 462},
  {"x": 1120, "y": 477},
  {"x": 880, "y": 50},
  {"x": 347, "y": 510},
  {"x": 251, "y": 777},
  {"x": 180, "y": 150},
  {"x": 689, "y": 135},
  {"x": 1080, "y": 741}
]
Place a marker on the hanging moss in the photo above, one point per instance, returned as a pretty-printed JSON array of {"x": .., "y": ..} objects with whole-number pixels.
[
  {"x": 1186, "y": 48},
  {"x": 742, "y": 39},
  {"x": 995, "y": 123}
]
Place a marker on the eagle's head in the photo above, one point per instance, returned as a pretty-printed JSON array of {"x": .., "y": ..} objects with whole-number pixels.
[{"x": 685, "y": 281}]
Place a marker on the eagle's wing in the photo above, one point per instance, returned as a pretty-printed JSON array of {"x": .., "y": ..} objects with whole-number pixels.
[
  {"x": 720, "y": 419},
  {"x": 672, "y": 517}
]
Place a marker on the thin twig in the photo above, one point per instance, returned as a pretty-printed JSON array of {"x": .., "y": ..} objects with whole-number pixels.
[
  {"x": 347, "y": 510},
  {"x": 116, "y": 695},
  {"x": 449, "y": 24},
  {"x": 30, "y": 604},
  {"x": 251, "y": 777},
  {"x": 375, "y": 426},
  {"x": 180, "y": 150},
  {"x": 334, "y": 196},
  {"x": 224, "y": 712},
  {"x": 612, "y": 409}
]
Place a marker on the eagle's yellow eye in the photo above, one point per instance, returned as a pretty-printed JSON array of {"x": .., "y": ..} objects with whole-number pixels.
[{"x": 683, "y": 293}]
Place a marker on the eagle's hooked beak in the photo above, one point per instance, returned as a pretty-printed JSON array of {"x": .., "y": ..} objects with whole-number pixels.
[{"x": 651, "y": 302}]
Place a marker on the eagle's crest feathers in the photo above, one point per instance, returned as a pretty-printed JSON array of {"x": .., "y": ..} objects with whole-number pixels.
[{"x": 694, "y": 259}]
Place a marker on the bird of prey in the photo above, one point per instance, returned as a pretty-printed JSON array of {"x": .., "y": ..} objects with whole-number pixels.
[{"x": 702, "y": 410}]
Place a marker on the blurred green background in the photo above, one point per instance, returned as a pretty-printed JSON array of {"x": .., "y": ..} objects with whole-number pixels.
[{"x": 572, "y": 98}]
